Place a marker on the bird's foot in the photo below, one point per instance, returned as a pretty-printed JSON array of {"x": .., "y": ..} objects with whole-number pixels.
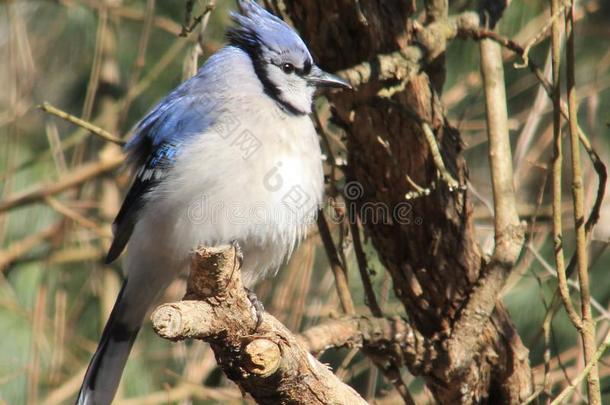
[
  {"x": 239, "y": 255},
  {"x": 258, "y": 307}
]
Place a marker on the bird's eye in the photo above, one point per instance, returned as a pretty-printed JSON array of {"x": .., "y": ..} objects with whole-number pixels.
[{"x": 287, "y": 68}]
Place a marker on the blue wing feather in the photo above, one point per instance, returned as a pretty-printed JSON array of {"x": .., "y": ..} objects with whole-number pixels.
[
  {"x": 147, "y": 177},
  {"x": 186, "y": 112},
  {"x": 152, "y": 152}
]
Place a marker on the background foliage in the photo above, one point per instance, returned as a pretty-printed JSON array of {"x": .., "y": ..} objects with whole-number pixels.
[{"x": 55, "y": 293}]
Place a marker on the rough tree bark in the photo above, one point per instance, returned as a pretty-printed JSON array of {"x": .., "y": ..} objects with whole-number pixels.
[
  {"x": 265, "y": 361},
  {"x": 432, "y": 254}
]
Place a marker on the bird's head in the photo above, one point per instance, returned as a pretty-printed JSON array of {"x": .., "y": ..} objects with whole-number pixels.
[{"x": 281, "y": 59}]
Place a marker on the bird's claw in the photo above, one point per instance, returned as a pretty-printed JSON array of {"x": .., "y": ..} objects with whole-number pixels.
[
  {"x": 239, "y": 255},
  {"x": 259, "y": 309}
]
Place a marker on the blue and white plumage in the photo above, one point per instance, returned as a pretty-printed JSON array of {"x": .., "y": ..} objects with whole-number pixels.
[{"x": 230, "y": 155}]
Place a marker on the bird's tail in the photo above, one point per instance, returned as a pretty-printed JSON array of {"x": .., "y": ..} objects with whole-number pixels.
[{"x": 106, "y": 366}]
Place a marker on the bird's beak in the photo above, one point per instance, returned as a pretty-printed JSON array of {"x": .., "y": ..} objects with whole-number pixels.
[{"x": 320, "y": 78}]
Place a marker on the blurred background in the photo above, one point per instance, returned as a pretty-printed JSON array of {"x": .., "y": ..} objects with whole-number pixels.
[{"x": 108, "y": 62}]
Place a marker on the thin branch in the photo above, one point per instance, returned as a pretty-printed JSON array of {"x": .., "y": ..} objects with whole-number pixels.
[
  {"x": 185, "y": 392},
  {"x": 97, "y": 63},
  {"x": 452, "y": 183},
  {"x": 391, "y": 371},
  {"x": 77, "y": 177},
  {"x": 189, "y": 25},
  {"x": 603, "y": 312},
  {"x": 140, "y": 61},
  {"x": 102, "y": 133},
  {"x": 369, "y": 292},
  {"x": 336, "y": 266},
  {"x": 564, "y": 291},
  {"x": 556, "y": 12},
  {"x": 77, "y": 217},
  {"x": 22, "y": 247},
  {"x": 191, "y": 61},
  {"x": 129, "y": 13},
  {"x": 168, "y": 57},
  {"x": 588, "y": 323},
  {"x": 400, "y": 66},
  {"x": 584, "y": 373}
]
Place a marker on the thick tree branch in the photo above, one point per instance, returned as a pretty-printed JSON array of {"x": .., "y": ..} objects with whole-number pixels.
[
  {"x": 403, "y": 65},
  {"x": 268, "y": 363},
  {"x": 390, "y": 338}
]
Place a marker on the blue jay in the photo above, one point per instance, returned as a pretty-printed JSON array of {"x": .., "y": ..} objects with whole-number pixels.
[{"x": 230, "y": 155}]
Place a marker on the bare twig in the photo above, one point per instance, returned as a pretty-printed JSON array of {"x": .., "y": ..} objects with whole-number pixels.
[
  {"x": 25, "y": 245},
  {"x": 336, "y": 266},
  {"x": 563, "y": 288},
  {"x": 77, "y": 217},
  {"x": 168, "y": 57},
  {"x": 369, "y": 292},
  {"x": 444, "y": 174},
  {"x": 140, "y": 61},
  {"x": 97, "y": 63},
  {"x": 604, "y": 313},
  {"x": 394, "y": 66},
  {"x": 184, "y": 392},
  {"x": 85, "y": 172},
  {"x": 505, "y": 203},
  {"x": 392, "y": 370},
  {"x": 129, "y": 13},
  {"x": 191, "y": 60},
  {"x": 588, "y": 323},
  {"x": 102, "y": 133},
  {"x": 584, "y": 373},
  {"x": 191, "y": 23},
  {"x": 556, "y": 12}
]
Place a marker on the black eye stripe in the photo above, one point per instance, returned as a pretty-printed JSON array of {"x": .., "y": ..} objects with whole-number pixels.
[{"x": 307, "y": 68}]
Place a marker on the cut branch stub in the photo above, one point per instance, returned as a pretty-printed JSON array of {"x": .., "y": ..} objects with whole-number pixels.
[{"x": 267, "y": 363}]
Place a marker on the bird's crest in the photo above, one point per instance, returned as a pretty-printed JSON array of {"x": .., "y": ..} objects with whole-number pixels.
[{"x": 256, "y": 28}]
